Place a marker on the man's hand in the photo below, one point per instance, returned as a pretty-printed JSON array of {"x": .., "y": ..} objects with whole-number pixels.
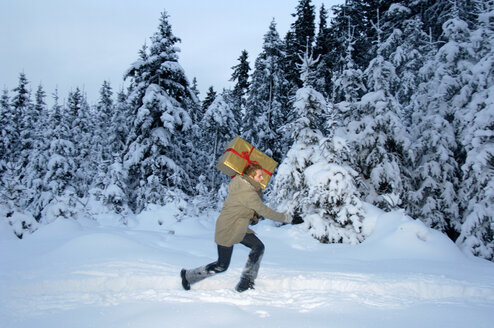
[
  {"x": 297, "y": 219},
  {"x": 254, "y": 220}
]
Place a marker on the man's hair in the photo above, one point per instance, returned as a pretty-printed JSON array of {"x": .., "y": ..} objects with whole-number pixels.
[{"x": 251, "y": 169}]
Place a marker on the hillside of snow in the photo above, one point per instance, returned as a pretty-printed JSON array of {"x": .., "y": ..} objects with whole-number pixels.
[{"x": 89, "y": 273}]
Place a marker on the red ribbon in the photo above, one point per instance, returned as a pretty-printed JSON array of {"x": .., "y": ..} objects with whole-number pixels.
[{"x": 246, "y": 155}]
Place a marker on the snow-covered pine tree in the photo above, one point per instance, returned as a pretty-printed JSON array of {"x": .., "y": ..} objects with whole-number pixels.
[
  {"x": 120, "y": 124},
  {"x": 208, "y": 100},
  {"x": 28, "y": 150},
  {"x": 58, "y": 198},
  {"x": 22, "y": 96},
  {"x": 39, "y": 101},
  {"x": 476, "y": 124},
  {"x": 11, "y": 189},
  {"x": 409, "y": 49},
  {"x": 435, "y": 13},
  {"x": 8, "y": 131},
  {"x": 194, "y": 88},
  {"x": 137, "y": 74},
  {"x": 35, "y": 156},
  {"x": 348, "y": 85},
  {"x": 113, "y": 182},
  {"x": 100, "y": 140},
  {"x": 22, "y": 110},
  {"x": 113, "y": 186},
  {"x": 218, "y": 126},
  {"x": 324, "y": 70},
  {"x": 264, "y": 104},
  {"x": 158, "y": 156},
  {"x": 10, "y": 194},
  {"x": 377, "y": 132},
  {"x": 362, "y": 14},
  {"x": 336, "y": 41},
  {"x": 433, "y": 198},
  {"x": 240, "y": 76},
  {"x": 103, "y": 113},
  {"x": 437, "y": 150},
  {"x": 78, "y": 115},
  {"x": 312, "y": 181},
  {"x": 299, "y": 39}
]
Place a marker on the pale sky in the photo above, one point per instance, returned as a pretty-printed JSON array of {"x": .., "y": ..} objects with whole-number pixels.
[{"x": 66, "y": 44}]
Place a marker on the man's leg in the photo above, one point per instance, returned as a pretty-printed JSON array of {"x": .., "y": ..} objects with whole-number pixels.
[
  {"x": 190, "y": 277},
  {"x": 249, "y": 274}
]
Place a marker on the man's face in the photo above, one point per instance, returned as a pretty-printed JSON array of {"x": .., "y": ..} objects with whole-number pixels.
[{"x": 258, "y": 176}]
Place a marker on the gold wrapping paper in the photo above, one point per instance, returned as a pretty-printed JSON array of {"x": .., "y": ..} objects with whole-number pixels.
[{"x": 239, "y": 153}]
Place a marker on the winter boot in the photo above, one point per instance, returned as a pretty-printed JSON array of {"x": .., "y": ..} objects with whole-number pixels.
[
  {"x": 185, "y": 283},
  {"x": 190, "y": 277},
  {"x": 244, "y": 284}
]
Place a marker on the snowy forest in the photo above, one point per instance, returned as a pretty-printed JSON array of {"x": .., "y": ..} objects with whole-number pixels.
[{"x": 385, "y": 102}]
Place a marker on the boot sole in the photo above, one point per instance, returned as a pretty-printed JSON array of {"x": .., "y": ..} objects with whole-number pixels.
[{"x": 185, "y": 283}]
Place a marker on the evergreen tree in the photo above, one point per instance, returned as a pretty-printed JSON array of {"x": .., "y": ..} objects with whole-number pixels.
[
  {"x": 79, "y": 120},
  {"x": 299, "y": 39},
  {"x": 138, "y": 74},
  {"x": 218, "y": 127},
  {"x": 437, "y": 164},
  {"x": 331, "y": 45},
  {"x": 311, "y": 181},
  {"x": 113, "y": 193},
  {"x": 37, "y": 167},
  {"x": 194, "y": 88},
  {"x": 434, "y": 199},
  {"x": 58, "y": 198},
  {"x": 240, "y": 76},
  {"x": 8, "y": 131},
  {"x": 21, "y": 99},
  {"x": 28, "y": 148},
  {"x": 380, "y": 138},
  {"x": 40, "y": 103},
  {"x": 476, "y": 125},
  {"x": 434, "y": 13},
  {"x": 348, "y": 85},
  {"x": 210, "y": 97},
  {"x": 10, "y": 193},
  {"x": 21, "y": 114},
  {"x": 113, "y": 182},
  {"x": 35, "y": 156},
  {"x": 409, "y": 55},
  {"x": 11, "y": 189},
  {"x": 321, "y": 42},
  {"x": 158, "y": 155},
  {"x": 120, "y": 125},
  {"x": 362, "y": 14},
  {"x": 264, "y": 111},
  {"x": 321, "y": 50},
  {"x": 103, "y": 127},
  {"x": 101, "y": 139}
]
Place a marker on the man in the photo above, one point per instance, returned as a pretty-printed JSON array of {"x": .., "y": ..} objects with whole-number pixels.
[{"x": 232, "y": 227}]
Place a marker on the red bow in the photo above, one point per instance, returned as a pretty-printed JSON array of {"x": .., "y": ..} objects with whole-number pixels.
[{"x": 246, "y": 155}]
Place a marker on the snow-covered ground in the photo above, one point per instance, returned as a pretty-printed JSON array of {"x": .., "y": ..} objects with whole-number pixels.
[{"x": 87, "y": 274}]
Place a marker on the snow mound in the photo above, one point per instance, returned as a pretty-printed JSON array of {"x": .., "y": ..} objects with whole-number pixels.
[
  {"x": 396, "y": 235},
  {"x": 6, "y": 231},
  {"x": 60, "y": 228}
]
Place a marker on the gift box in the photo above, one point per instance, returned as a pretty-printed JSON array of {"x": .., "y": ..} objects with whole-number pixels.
[{"x": 239, "y": 153}]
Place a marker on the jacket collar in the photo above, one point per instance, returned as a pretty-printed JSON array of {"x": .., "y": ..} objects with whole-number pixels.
[{"x": 256, "y": 185}]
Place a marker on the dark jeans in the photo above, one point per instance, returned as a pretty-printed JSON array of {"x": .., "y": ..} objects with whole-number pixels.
[{"x": 224, "y": 257}]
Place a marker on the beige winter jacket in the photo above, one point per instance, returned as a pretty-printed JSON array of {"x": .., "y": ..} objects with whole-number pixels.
[{"x": 242, "y": 202}]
